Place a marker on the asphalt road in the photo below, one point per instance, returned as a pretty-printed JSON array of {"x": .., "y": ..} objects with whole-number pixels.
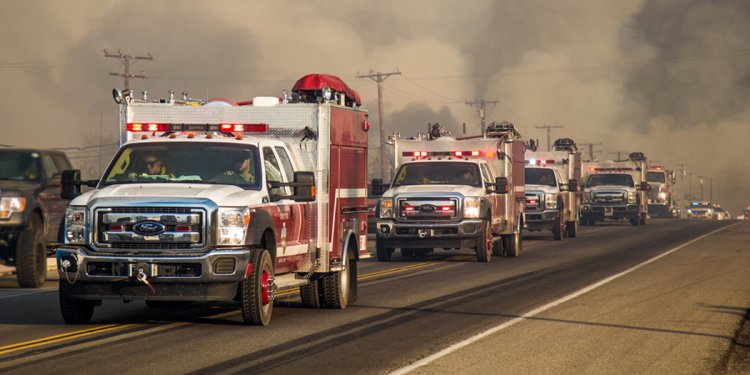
[{"x": 584, "y": 305}]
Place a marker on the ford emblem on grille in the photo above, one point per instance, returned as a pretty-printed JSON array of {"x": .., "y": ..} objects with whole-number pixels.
[
  {"x": 426, "y": 208},
  {"x": 149, "y": 228}
]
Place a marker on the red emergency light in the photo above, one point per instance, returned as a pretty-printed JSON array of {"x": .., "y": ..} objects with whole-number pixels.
[
  {"x": 243, "y": 128},
  {"x": 149, "y": 127},
  {"x": 459, "y": 154}
]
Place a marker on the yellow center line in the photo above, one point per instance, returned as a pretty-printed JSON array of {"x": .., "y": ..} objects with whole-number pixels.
[{"x": 118, "y": 326}]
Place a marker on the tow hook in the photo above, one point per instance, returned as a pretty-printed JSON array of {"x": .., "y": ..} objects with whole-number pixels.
[
  {"x": 141, "y": 276},
  {"x": 423, "y": 233}
]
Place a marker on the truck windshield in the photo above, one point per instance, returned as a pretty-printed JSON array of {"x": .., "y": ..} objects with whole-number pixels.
[
  {"x": 656, "y": 177},
  {"x": 438, "y": 173},
  {"x": 19, "y": 165},
  {"x": 224, "y": 164},
  {"x": 540, "y": 176},
  {"x": 610, "y": 179}
]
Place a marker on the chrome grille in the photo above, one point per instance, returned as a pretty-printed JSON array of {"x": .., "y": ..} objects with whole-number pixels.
[
  {"x": 606, "y": 197},
  {"x": 180, "y": 228},
  {"x": 534, "y": 201},
  {"x": 428, "y": 208}
]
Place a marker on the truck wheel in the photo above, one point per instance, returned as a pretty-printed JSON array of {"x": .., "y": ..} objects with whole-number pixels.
[
  {"x": 337, "y": 287},
  {"x": 255, "y": 293},
  {"x": 383, "y": 253},
  {"x": 572, "y": 229},
  {"x": 310, "y": 295},
  {"x": 484, "y": 243},
  {"x": 557, "y": 229},
  {"x": 513, "y": 243},
  {"x": 643, "y": 218},
  {"x": 31, "y": 255},
  {"x": 74, "y": 311},
  {"x": 497, "y": 248},
  {"x": 636, "y": 220}
]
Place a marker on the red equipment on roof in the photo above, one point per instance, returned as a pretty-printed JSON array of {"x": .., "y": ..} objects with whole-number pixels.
[{"x": 313, "y": 82}]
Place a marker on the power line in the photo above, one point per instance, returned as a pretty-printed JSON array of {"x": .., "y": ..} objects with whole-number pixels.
[{"x": 591, "y": 149}]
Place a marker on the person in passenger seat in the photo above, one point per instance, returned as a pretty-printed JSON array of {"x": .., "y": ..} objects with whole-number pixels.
[{"x": 241, "y": 167}]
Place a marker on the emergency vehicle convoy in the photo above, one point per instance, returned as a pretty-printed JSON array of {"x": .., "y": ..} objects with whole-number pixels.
[
  {"x": 615, "y": 190},
  {"x": 223, "y": 201},
  {"x": 455, "y": 193},
  {"x": 660, "y": 200},
  {"x": 552, "y": 197}
]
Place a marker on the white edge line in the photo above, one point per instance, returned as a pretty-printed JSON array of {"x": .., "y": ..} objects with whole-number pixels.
[
  {"x": 27, "y": 294},
  {"x": 541, "y": 309}
]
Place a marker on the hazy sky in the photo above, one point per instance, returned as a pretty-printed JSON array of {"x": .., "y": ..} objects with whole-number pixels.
[{"x": 670, "y": 78}]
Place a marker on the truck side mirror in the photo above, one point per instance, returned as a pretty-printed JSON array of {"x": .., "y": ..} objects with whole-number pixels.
[
  {"x": 376, "y": 187},
  {"x": 645, "y": 186},
  {"x": 303, "y": 187},
  {"x": 501, "y": 185},
  {"x": 573, "y": 186},
  {"x": 71, "y": 184}
]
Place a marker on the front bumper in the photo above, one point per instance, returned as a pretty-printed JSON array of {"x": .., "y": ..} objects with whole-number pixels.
[
  {"x": 212, "y": 276},
  {"x": 422, "y": 235},
  {"x": 539, "y": 220},
  {"x": 601, "y": 212}
]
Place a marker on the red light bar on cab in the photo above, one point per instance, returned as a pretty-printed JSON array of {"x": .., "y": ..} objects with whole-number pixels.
[
  {"x": 224, "y": 128},
  {"x": 150, "y": 127}
]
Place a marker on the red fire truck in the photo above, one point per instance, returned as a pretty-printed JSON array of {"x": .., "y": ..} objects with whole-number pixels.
[
  {"x": 454, "y": 193},
  {"x": 223, "y": 201}
]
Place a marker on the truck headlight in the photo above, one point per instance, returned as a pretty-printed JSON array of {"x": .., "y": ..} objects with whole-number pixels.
[
  {"x": 550, "y": 201},
  {"x": 386, "y": 208},
  {"x": 75, "y": 225},
  {"x": 662, "y": 195},
  {"x": 586, "y": 197},
  {"x": 9, "y": 205},
  {"x": 472, "y": 206},
  {"x": 233, "y": 224},
  {"x": 631, "y": 197}
]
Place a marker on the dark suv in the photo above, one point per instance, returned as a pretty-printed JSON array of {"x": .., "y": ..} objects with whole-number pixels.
[{"x": 31, "y": 210}]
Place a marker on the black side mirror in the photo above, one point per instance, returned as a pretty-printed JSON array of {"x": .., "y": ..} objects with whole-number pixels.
[
  {"x": 376, "y": 187},
  {"x": 501, "y": 185},
  {"x": 71, "y": 184},
  {"x": 645, "y": 186},
  {"x": 573, "y": 185},
  {"x": 304, "y": 186}
]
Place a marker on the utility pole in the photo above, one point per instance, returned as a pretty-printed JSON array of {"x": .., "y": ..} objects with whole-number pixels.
[
  {"x": 379, "y": 77},
  {"x": 481, "y": 104},
  {"x": 690, "y": 186},
  {"x": 549, "y": 133},
  {"x": 619, "y": 154},
  {"x": 127, "y": 61},
  {"x": 711, "y": 189},
  {"x": 701, "y": 177},
  {"x": 682, "y": 179},
  {"x": 591, "y": 149}
]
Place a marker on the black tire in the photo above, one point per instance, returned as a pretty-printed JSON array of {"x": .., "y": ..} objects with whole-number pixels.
[
  {"x": 635, "y": 220},
  {"x": 254, "y": 310},
  {"x": 74, "y": 311},
  {"x": 572, "y": 229},
  {"x": 644, "y": 217},
  {"x": 484, "y": 243},
  {"x": 557, "y": 229},
  {"x": 513, "y": 243},
  {"x": 383, "y": 253},
  {"x": 337, "y": 287},
  {"x": 31, "y": 255},
  {"x": 310, "y": 295},
  {"x": 497, "y": 248}
]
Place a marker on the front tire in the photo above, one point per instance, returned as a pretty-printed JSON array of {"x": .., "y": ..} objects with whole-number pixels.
[
  {"x": 644, "y": 217},
  {"x": 557, "y": 229},
  {"x": 74, "y": 311},
  {"x": 255, "y": 293},
  {"x": 484, "y": 243},
  {"x": 31, "y": 255},
  {"x": 636, "y": 220},
  {"x": 572, "y": 229},
  {"x": 383, "y": 253}
]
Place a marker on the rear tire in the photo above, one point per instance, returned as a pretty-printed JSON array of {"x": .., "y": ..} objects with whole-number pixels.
[
  {"x": 74, "y": 311},
  {"x": 513, "y": 243},
  {"x": 31, "y": 255},
  {"x": 255, "y": 310},
  {"x": 310, "y": 295},
  {"x": 337, "y": 287},
  {"x": 644, "y": 217},
  {"x": 484, "y": 243},
  {"x": 636, "y": 220},
  {"x": 383, "y": 253}
]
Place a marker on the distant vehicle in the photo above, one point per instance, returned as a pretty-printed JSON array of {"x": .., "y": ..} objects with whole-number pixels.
[
  {"x": 616, "y": 190},
  {"x": 721, "y": 214},
  {"x": 700, "y": 210},
  {"x": 31, "y": 210},
  {"x": 661, "y": 181}
]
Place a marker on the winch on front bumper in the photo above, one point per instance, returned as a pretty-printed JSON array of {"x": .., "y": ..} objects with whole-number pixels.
[
  {"x": 212, "y": 276},
  {"x": 601, "y": 212},
  {"x": 414, "y": 234}
]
